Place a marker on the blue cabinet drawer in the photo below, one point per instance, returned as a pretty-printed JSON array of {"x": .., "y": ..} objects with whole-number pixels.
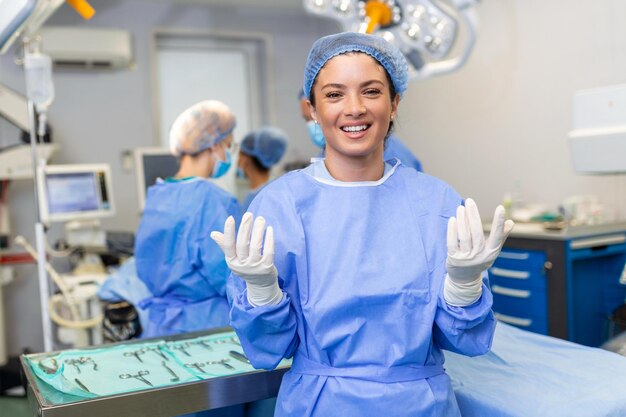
[
  {"x": 515, "y": 278},
  {"x": 519, "y": 302},
  {"x": 520, "y": 269},
  {"x": 526, "y": 260},
  {"x": 532, "y": 324}
]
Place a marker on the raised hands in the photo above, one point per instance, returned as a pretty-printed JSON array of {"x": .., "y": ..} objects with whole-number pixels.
[
  {"x": 250, "y": 259},
  {"x": 469, "y": 254}
]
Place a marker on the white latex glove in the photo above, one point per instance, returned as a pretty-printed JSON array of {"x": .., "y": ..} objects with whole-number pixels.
[
  {"x": 250, "y": 260},
  {"x": 469, "y": 254}
]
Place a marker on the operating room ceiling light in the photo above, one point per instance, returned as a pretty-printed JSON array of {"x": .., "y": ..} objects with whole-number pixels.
[{"x": 426, "y": 31}]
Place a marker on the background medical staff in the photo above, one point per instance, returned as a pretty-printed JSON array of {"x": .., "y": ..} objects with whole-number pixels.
[
  {"x": 260, "y": 150},
  {"x": 394, "y": 148},
  {"x": 370, "y": 274},
  {"x": 180, "y": 265}
]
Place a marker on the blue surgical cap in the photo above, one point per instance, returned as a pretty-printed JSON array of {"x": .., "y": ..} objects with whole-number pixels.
[
  {"x": 387, "y": 54},
  {"x": 266, "y": 144}
]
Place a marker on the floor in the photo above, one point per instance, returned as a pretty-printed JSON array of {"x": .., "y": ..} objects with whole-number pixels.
[
  {"x": 14, "y": 407},
  {"x": 13, "y": 403}
]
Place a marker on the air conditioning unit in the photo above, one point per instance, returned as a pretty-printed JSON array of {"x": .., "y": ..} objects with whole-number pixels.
[{"x": 87, "y": 48}]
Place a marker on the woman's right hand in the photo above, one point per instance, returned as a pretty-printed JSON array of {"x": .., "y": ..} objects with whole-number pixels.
[{"x": 248, "y": 258}]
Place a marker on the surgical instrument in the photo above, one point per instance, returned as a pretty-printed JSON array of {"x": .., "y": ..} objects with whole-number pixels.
[
  {"x": 80, "y": 384},
  {"x": 157, "y": 351},
  {"x": 175, "y": 377},
  {"x": 198, "y": 365},
  {"x": 182, "y": 347},
  {"x": 232, "y": 340},
  {"x": 205, "y": 344},
  {"x": 239, "y": 356},
  {"x": 49, "y": 368},
  {"x": 222, "y": 362},
  {"x": 140, "y": 376},
  {"x": 82, "y": 361},
  {"x": 136, "y": 354}
]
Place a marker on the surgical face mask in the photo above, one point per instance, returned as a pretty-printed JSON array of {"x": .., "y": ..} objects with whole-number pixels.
[
  {"x": 315, "y": 133},
  {"x": 221, "y": 167},
  {"x": 241, "y": 174}
]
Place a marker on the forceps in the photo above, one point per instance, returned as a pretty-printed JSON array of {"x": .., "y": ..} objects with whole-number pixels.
[
  {"x": 140, "y": 376},
  {"x": 81, "y": 361},
  {"x": 135, "y": 353},
  {"x": 198, "y": 365},
  {"x": 182, "y": 347},
  {"x": 222, "y": 362},
  {"x": 157, "y": 351},
  {"x": 175, "y": 377},
  {"x": 205, "y": 344}
]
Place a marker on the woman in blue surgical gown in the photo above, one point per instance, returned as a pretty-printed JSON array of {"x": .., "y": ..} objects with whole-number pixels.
[
  {"x": 184, "y": 269},
  {"x": 367, "y": 269}
]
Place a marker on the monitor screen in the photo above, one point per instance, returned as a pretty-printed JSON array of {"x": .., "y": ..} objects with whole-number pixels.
[
  {"x": 153, "y": 163},
  {"x": 69, "y": 192}
]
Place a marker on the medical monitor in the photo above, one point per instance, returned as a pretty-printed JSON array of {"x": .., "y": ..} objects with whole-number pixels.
[
  {"x": 74, "y": 192},
  {"x": 150, "y": 164}
]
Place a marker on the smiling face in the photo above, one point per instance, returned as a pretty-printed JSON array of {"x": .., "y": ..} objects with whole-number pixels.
[{"x": 353, "y": 106}]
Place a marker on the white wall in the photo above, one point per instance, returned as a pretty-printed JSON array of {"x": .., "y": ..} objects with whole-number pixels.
[
  {"x": 506, "y": 114},
  {"x": 98, "y": 115}
]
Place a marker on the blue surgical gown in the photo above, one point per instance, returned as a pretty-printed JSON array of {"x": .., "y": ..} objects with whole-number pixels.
[
  {"x": 124, "y": 284},
  {"x": 361, "y": 266},
  {"x": 181, "y": 265}
]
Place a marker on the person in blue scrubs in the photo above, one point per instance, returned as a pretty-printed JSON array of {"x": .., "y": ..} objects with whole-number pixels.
[
  {"x": 260, "y": 150},
  {"x": 360, "y": 269},
  {"x": 394, "y": 148},
  {"x": 181, "y": 266}
]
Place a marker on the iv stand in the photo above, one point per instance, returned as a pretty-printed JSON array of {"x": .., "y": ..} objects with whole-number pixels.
[{"x": 40, "y": 234}]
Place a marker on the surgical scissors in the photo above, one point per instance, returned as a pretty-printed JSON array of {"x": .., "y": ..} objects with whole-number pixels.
[{"x": 140, "y": 376}]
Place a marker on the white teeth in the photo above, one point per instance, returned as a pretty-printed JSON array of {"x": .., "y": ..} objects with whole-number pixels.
[{"x": 354, "y": 128}]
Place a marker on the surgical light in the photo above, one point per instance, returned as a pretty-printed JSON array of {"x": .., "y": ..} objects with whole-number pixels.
[
  {"x": 343, "y": 6},
  {"x": 426, "y": 31}
]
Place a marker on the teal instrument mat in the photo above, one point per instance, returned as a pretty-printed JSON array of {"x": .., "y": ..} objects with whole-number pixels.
[{"x": 119, "y": 369}]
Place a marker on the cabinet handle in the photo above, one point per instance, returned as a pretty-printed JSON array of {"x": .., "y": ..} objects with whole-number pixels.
[
  {"x": 509, "y": 273},
  {"x": 597, "y": 241},
  {"x": 522, "y": 256},
  {"x": 516, "y": 321},
  {"x": 510, "y": 292}
]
